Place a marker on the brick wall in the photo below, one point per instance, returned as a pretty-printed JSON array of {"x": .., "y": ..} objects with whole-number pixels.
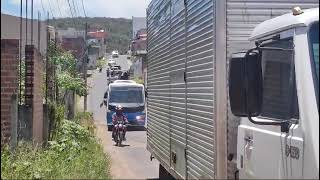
[
  {"x": 75, "y": 45},
  {"x": 9, "y": 83},
  {"x": 36, "y": 68}
]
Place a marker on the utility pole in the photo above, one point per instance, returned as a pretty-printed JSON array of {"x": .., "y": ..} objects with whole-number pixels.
[
  {"x": 85, "y": 67},
  {"x": 47, "y": 58}
]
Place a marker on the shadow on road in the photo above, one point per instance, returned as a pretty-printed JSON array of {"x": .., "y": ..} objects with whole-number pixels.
[
  {"x": 122, "y": 145},
  {"x": 136, "y": 128}
]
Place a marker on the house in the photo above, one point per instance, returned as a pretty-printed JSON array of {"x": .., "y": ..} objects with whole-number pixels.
[
  {"x": 74, "y": 41},
  {"x": 137, "y": 24},
  {"x": 97, "y": 46},
  {"x": 138, "y": 49}
]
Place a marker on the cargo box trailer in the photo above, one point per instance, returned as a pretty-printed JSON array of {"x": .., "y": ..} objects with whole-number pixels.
[{"x": 190, "y": 127}]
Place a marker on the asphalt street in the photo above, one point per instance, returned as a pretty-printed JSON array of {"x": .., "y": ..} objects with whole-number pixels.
[{"x": 132, "y": 161}]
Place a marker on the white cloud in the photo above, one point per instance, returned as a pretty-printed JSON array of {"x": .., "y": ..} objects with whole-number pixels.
[{"x": 94, "y": 8}]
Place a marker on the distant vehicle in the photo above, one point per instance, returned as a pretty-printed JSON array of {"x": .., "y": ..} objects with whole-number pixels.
[
  {"x": 115, "y": 73},
  {"x": 117, "y": 66},
  {"x": 115, "y": 54},
  {"x": 112, "y": 62},
  {"x": 131, "y": 96}
]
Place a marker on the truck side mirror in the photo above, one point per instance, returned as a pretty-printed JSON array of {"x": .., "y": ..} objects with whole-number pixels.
[
  {"x": 245, "y": 85},
  {"x": 145, "y": 93}
]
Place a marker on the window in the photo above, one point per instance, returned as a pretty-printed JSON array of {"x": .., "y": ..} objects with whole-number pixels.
[
  {"x": 126, "y": 95},
  {"x": 279, "y": 89},
  {"x": 313, "y": 36}
]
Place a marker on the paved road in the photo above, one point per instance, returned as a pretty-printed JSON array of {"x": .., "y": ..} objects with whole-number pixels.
[
  {"x": 132, "y": 161},
  {"x": 122, "y": 61}
]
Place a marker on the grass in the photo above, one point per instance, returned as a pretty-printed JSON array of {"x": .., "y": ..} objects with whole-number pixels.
[{"x": 74, "y": 154}]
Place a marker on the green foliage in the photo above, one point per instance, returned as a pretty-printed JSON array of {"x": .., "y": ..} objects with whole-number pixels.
[
  {"x": 68, "y": 78},
  {"x": 73, "y": 154},
  {"x": 101, "y": 62},
  {"x": 138, "y": 80},
  {"x": 67, "y": 82},
  {"x": 21, "y": 80},
  {"x": 86, "y": 120},
  {"x": 66, "y": 62}
]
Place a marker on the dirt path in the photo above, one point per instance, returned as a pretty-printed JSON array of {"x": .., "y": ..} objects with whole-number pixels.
[{"x": 132, "y": 161}]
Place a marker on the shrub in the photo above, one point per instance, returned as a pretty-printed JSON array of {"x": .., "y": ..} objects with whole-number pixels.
[{"x": 74, "y": 153}]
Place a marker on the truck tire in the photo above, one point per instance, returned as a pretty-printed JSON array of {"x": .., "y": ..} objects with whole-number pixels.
[{"x": 164, "y": 174}]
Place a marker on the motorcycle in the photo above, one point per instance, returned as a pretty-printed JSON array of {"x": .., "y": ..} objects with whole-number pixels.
[{"x": 119, "y": 133}]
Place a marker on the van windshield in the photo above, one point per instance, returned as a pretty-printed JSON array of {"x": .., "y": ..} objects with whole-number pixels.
[
  {"x": 314, "y": 49},
  {"x": 126, "y": 95}
]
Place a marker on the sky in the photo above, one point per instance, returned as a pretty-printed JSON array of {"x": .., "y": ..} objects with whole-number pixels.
[{"x": 93, "y": 8}]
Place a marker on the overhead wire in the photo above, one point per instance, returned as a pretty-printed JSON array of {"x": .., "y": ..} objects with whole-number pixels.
[
  {"x": 84, "y": 11},
  {"x": 43, "y": 9},
  {"x": 50, "y": 8},
  {"x": 59, "y": 8},
  {"x": 75, "y": 9},
  {"x": 72, "y": 15}
]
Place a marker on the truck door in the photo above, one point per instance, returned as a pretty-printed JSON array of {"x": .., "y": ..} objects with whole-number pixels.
[{"x": 265, "y": 151}]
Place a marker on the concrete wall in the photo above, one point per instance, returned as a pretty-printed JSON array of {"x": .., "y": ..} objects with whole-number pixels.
[
  {"x": 10, "y": 29},
  {"x": 35, "y": 65}
]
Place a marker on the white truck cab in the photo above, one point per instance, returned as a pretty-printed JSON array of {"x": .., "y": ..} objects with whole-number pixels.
[{"x": 274, "y": 88}]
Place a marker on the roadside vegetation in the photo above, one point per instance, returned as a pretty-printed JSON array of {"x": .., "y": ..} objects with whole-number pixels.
[
  {"x": 72, "y": 151},
  {"x": 101, "y": 62},
  {"x": 138, "y": 80}
]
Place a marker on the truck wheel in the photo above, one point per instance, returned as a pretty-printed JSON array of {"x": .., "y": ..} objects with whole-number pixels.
[
  {"x": 164, "y": 174},
  {"x": 109, "y": 128}
]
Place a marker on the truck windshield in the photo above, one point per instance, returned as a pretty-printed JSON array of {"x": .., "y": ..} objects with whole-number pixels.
[
  {"x": 314, "y": 50},
  {"x": 126, "y": 95}
]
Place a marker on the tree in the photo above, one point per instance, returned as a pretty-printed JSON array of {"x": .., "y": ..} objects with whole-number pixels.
[{"x": 69, "y": 80}]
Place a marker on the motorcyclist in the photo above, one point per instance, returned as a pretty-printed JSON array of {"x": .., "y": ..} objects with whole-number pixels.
[
  {"x": 124, "y": 76},
  {"x": 119, "y": 116},
  {"x": 108, "y": 72}
]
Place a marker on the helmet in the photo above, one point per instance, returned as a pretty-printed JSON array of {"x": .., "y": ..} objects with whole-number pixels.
[{"x": 119, "y": 109}]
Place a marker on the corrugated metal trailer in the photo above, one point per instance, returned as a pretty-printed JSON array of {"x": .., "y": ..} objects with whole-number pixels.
[{"x": 190, "y": 128}]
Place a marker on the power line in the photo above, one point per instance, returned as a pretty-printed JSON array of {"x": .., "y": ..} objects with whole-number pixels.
[
  {"x": 59, "y": 8},
  {"x": 72, "y": 16},
  {"x": 75, "y": 10},
  {"x": 44, "y": 11},
  {"x": 84, "y": 11},
  {"x": 77, "y": 6},
  {"x": 50, "y": 9},
  {"x": 70, "y": 9}
]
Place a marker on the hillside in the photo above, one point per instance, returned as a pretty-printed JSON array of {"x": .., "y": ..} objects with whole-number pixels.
[{"x": 118, "y": 29}]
